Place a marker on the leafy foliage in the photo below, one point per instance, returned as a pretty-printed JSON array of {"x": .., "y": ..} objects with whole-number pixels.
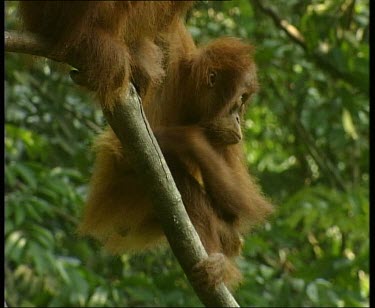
[{"x": 307, "y": 142}]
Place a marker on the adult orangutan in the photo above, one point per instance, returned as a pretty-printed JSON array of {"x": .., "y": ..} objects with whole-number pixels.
[{"x": 110, "y": 42}]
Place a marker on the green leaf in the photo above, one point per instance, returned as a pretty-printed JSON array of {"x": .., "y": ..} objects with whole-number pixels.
[{"x": 348, "y": 124}]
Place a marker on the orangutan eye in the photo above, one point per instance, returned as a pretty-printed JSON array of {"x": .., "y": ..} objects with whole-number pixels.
[
  {"x": 212, "y": 79},
  {"x": 244, "y": 97}
]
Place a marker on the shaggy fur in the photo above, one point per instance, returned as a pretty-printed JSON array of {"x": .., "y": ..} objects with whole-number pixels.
[
  {"x": 108, "y": 41},
  {"x": 220, "y": 197}
]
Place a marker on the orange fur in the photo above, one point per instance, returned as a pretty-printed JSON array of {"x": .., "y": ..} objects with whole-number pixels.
[
  {"x": 110, "y": 42},
  {"x": 221, "y": 198},
  {"x": 117, "y": 206},
  {"x": 113, "y": 42}
]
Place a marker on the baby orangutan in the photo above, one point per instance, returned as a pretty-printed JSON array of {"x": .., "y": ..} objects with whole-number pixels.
[{"x": 208, "y": 88}]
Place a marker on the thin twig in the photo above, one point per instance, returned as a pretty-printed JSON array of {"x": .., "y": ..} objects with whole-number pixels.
[{"x": 319, "y": 58}]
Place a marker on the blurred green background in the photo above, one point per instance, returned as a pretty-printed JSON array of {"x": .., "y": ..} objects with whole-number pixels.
[{"x": 306, "y": 141}]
